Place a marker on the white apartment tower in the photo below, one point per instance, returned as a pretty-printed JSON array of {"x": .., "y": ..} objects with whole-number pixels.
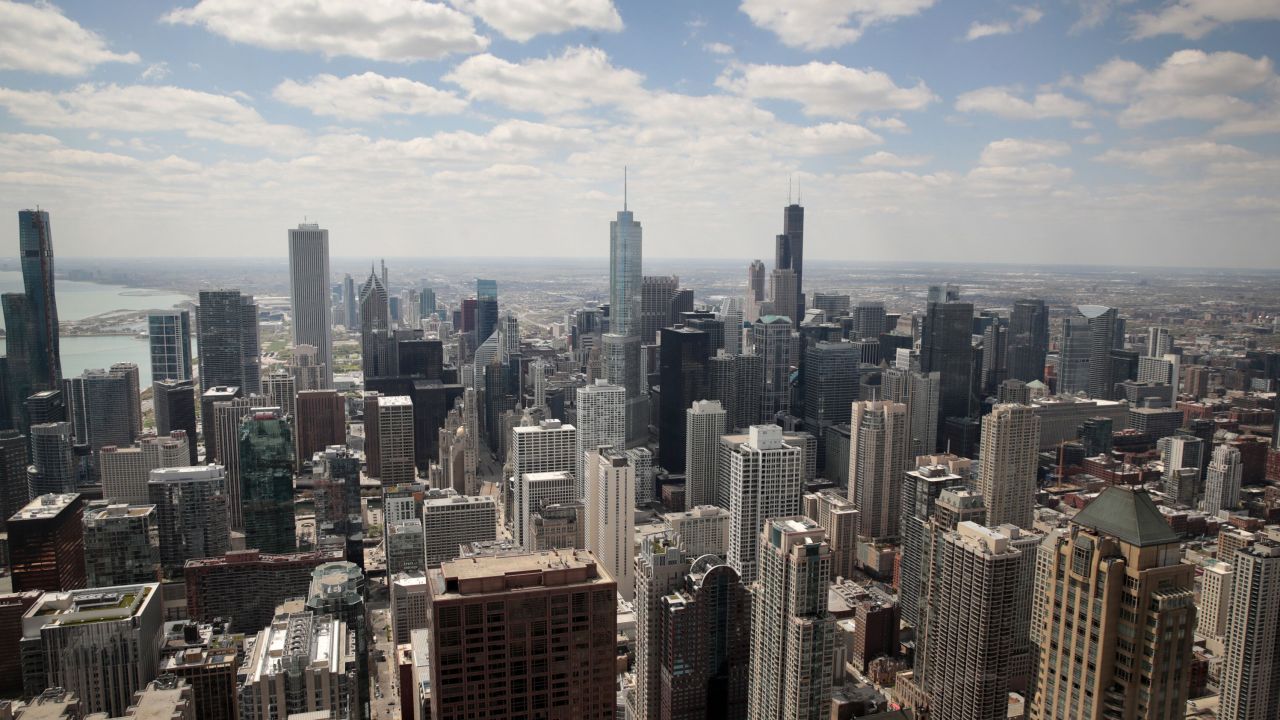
[
  {"x": 601, "y": 421},
  {"x": 766, "y": 480},
  {"x": 1222, "y": 480},
  {"x": 309, "y": 293},
  {"x": 702, "y": 530},
  {"x": 610, "y": 509},
  {"x": 1251, "y": 668},
  {"x": 1006, "y": 475},
  {"x": 547, "y": 447},
  {"x": 704, "y": 424},
  {"x": 534, "y": 491},
  {"x": 450, "y": 519}
]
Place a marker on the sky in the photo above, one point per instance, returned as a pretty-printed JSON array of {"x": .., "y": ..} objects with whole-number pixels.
[{"x": 1062, "y": 131}]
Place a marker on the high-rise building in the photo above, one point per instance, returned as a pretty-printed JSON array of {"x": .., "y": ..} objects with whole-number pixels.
[
  {"x": 626, "y": 243},
  {"x": 660, "y": 567},
  {"x": 705, "y": 625},
  {"x": 1028, "y": 339},
  {"x": 921, "y": 488},
  {"x": 408, "y": 604},
  {"x": 266, "y": 482},
  {"x": 510, "y": 598},
  {"x": 868, "y": 320},
  {"x": 830, "y": 386},
  {"x": 125, "y": 471},
  {"x": 321, "y": 421},
  {"x": 682, "y": 369},
  {"x": 792, "y": 634},
  {"x": 737, "y": 383},
  {"x": 169, "y": 333},
  {"x": 309, "y": 293},
  {"x": 731, "y": 315},
  {"x": 228, "y": 418},
  {"x": 1105, "y": 334},
  {"x": 191, "y": 514},
  {"x": 281, "y": 392},
  {"x": 558, "y": 525},
  {"x": 102, "y": 644},
  {"x": 837, "y": 515},
  {"x": 878, "y": 450},
  {"x": 206, "y": 658},
  {"x": 920, "y": 392},
  {"x": 227, "y": 336},
  {"x": 174, "y": 402},
  {"x": 1222, "y": 481},
  {"x": 978, "y": 607},
  {"x": 547, "y": 447},
  {"x": 1116, "y": 574},
  {"x": 302, "y": 664},
  {"x": 1181, "y": 455},
  {"x": 450, "y": 519},
  {"x": 403, "y": 546},
  {"x": 53, "y": 466},
  {"x": 764, "y": 476},
  {"x": 105, "y": 407},
  {"x": 789, "y": 255},
  {"x": 14, "y": 489},
  {"x": 704, "y": 424},
  {"x": 701, "y": 530},
  {"x": 209, "y": 400},
  {"x": 771, "y": 340},
  {"x": 375, "y": 328},
  {"x": 46, "y": 544},
  {"x": 656, "y": 292},
  {"x": 782, "y": 286},
  {"x": 642, "y": 461},
  {"x": 609, "y": 502},
  {"x": 216, "y": 586},
  {"x": 946, "y": 347},
  {"x": 121, "y": 544},
  {"x": 43, "y": 359},
  {"x": 1214, "y": 606},
  {"x": 337, "y": 591},
  {"x": 1007, "y": 465},
  {"x": 601, "y": 412},
  {"x": 1251, "y": 665},
  {"x": 395, "y": 446},
  {"x": 350, "y": 304},
  {"x": 534, "y": 491}
]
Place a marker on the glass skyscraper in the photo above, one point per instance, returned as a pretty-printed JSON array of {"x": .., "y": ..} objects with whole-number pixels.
[
  {"x": 266, "y": 481},
  {"x": 35, "y": 240},
  {"x": 486, "y": 309},
  {"x": 170, "y": 334},
  {"x": 625, "y": 254}
]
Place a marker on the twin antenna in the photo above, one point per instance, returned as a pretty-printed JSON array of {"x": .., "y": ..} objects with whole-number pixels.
[
  {"x": 624, "y": 188},
  {"x": 799, "y": 195}
]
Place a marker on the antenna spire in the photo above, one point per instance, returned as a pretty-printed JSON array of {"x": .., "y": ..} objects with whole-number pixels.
[
  {"x": 799, "y": 194},
  {"x": 788, "y": 189},
  {"x": 624, "y": 188}
]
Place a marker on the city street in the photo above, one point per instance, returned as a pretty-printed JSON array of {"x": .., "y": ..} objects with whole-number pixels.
[{"x": 384, "y": 693}]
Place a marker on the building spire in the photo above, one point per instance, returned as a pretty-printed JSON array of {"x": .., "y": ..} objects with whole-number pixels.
[
  {"x": 788, "y": 189},
  {"x": 624, "y": 188}
]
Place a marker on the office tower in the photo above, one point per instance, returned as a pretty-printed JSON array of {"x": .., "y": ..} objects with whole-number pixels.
[
  {"x": 305, "y": 369},
  {"x": 14, "y": 490},
  {"x": 321, "y": 421},
  {"x": 266, "y": 481},
  {"x": 558, "y": 525},
  {"x": 408, "y": 604},
  {"x": 994, "y": 363},
  {"x": 546, "y": 447},
  {"x": 837, "y": 515},
  {"x": 622, "y": 366},
  {"x": 228, "y": 417},
  {"x": 1074, "y": 356},
  {"x": 350, "y": 304},
  {"x": 868, "y": 320},
  {"x": 701, "y": 530},
  {"x": 975, "y": 605},
  {"x": 609, "y": 502},
  {"x": 830, "y": 386},
  {"x": 1115, "y": 574},
  {"x": 403, "y": 546},
  {"x": 1028, "y": 340},
  {"x": 682, "y": 368},
  {"x": 921, "y": 393},
  {"x": 656, "y": 292},
  {"x": 486, "y": 309},
  {"x": 46, "y": 544},
  {"x": 45, "y": 406},
  {"x": 1251, "y": 666},
  {"x": 375, "y": 328},
  {"x": 508, "y": 598},
  {"x": 877, "y": 459},
  {"x": 12, "y": 607},
  {"x": 731, "y": 315},
  {"x": 833, "y": 305},
  {"x": 450, "y": 519},
  {"x": 706, "y": 626},
  {"x": 625, "y": 257},
  {"x": 1106, "y": 335},
  {"x": 946, "y": 348},
  {"x": 660, "y": 567},
  {"x": 209, "y": 400},
  {"x": 1181, "y": 456},
  {"x": 782, "y": 287},
  {"x": 395, "y": 447},
  {"x": 792, "y": 634},
  {"x": 642, "y": 461},
  {"x": 191, "y": 514},
  {"x": 737, "y": 382},
  {"x": 121, "y": 544},
  {"x": 1159, "y": 342},
  {"x": 335, "y": 473},
  {"x": 125, "y": 471},
  {"x": 771, "y": 340},
  {"x": 105, "y": 406},
  {"x": 227, "y": 337},
  {"x": 280, "y": 391},
  {"x": 600, "y": 413},
  {"x": 169, "y": 333},
  {"x": 1007, "y": 465},
  {"x": 43, "y": 361},
  {"x": 302, "y": 664},
  {"x": 704, "y": 424},
  {"x": 789, "y": 255},
  {"x": 920, "y": 490},
  {"x": 216, "y": 585},
  {"x": 102, "y": 644},
  {"x": 337, "y": 591},
  {"x": 1214, "y": 605},
  {"x": 534, "y": 492},
  {"x": 175, "y": 410},
  {"x": 764, "y": 476},
  {"x": 53, "y": 466},
  {"x": 309, "y": 293},
  {"x": 755, "y": 284},
  {"x": 1222, "y": 481}
]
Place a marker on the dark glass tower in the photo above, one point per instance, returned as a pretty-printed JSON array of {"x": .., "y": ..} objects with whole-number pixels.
[
  {"x": 35, "y": 240},
  {"x": 946, "y": 347},
  {"x": 1028, "y": 340},
  {"x": 486, "y": 309},
  {"x": 175, "y": 409},
  {"x": 227, "y": 334},
  {"x": 266, "y": 482},
  {"x": 682, "y": 369},
  {"x": 789, "y": 255}
]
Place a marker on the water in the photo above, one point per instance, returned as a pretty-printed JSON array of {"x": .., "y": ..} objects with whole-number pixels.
[{"x": 79, "y": 300}]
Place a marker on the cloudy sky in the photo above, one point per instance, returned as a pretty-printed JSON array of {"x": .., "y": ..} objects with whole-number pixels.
[{"x": 1058, "y": 131}]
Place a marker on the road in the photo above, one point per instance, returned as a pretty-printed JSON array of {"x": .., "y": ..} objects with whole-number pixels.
[{"x": 384, "y": 689}]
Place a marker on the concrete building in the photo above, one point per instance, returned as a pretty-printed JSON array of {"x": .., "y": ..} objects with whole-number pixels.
[
  {"x": 830, "y": 386},
  {"x": 559, "y": 526},
  {"x": 126, "y": 471},
  {"x": 450, "y": 519},
  {"x": 191, "y": 514},
  {"x": 1251, "y": 666},
  {"x": 301, "y": 663},
  {"x": 227, "y": 337},
  {"x": 1007, "y": 463},
  {"x": 792, "y": 634},
  {"x": 642, "y": 461},
  {"x": 104, "y": 407},
  {"x": 920, "y": 490},
  {"x": 395, "y": 440},
  {"x": 309, "y": 294},
  {"x": 764, "y": 475},
  {"x": 1222, "y": 481},
  {"x": 702, "y": 530},
  {"x": 660, "y": 566},
  {"x": 837, "y": 515},
  {"x": 509, "y": 598},
  {"x": 920, "y": 393},
  {"x": 705, "y": 422},
  {"x": 404, "y": 546},
  {"x": 121, "y": 544},
  {"x": 1215, "y": 600},
  {"x": 408, "y": 604},
  {"x": 610, "y": 507},
  {"x": 535, "y": 491},
  {"x": 46, "y": 544},
  {"x": 601, "y": 417},
  {"x": 1061, "y": 417},
  {"x": 215, "y": 586},
  {"x": 547, "y": 447},
  {"x": 337, "y": 590},
  {"x": 878, "y": 447},
  {"x": 207, "y": 659},
  {"x": 321, "y": 421},
  {"x": 102, "y": 644}
]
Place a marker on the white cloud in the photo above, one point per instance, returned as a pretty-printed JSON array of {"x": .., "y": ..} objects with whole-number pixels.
[
  {"x": 155, "y": 72},
  {"x": 820, "y": 24},
  {"x": 390, "y": 30},
  {"x": 892, "y": 124},
  {"x": 580, "y": 78},
  {"x": 1027, "y": 16},
  {"x": 718, "y": 48},
  {"x": 1014, "y": 151},
  {"x": 1003, "y": 103},
  {"x": 39, "y": 38},
  {"x": 826, "y": 89},
  {"x": 368, "y": 96},
  {"x": 1196, "y": 18},
  {"x": 147, "y": 108},
  {"x": 888, "y": 160},
  {"x": 1174, "y": 155},
  {"x": 522, "y": 20}
]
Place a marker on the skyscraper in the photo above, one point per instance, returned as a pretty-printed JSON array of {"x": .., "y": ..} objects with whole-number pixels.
[
  {"x": 921, "y": 488},
  {"x": 1222, "y": 481},
  {"x": 601, "y": 412},
  {"x": 792, "y": 634},
  {"x": 486, "y": 309},
  {"x": 191, "y": 513},
  {"x": 771, "y": 340},
  {"x": 1007, "y": 465},
  {"x": 266, "y": 480},
  {"x": 350, "y": 304},
  {"x": 609, "y": 503},
  {"x": 704, "y": 424},
  {"x": 14, "y": 490},
  {"x": 782, "y": 287},
  {"x": 300, "y": 664},
  {"x": 765, "y": 479},
  {"x": 321, "y": 421},
  {"x": 121, "y": 544},
  {"x": 309, "y": 293},
  {"x": 731, "y": 315},
  {"x": 169, "y": 333},
  {"x": 790, "y": 256},
  {"x": 656, "y": 292},
  {"x": 174, "y": 402},
  {"x": 35, "y": 242},
  {"x": 1028, "y": 339},
  {"x": 375, "y": 328},
  {"x": 878, "y": 449},
  {"x": 47, "y": 544},
  {"x": 920, "y": 393},
  {"x": 830, "y": 387},
  {"x": 660, "y": 566},
  {"x": 1105, "y": 335},
  {"x": 1117, "y": 573},
  {"x": 53, "y": 466},
  {"x": 1251, "y": 666},
  {"x": 682, "y": 372},
  {"x": 450, "y": 520},
  {"x": 946, "y": 347},
  {"x": 625, "y": 256},
  {"x": 547, "y": 447},
  {"x": 227, "y": 335},
  {"x": 395, "y": 440}
]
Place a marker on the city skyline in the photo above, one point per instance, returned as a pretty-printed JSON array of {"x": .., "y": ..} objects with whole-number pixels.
[{"x": 1049, "y": 134}]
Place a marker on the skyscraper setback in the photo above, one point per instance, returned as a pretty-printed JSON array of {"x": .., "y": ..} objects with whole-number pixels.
[
  {"x": 309, "y": 293},
  {"x": 789, "y": 255}
]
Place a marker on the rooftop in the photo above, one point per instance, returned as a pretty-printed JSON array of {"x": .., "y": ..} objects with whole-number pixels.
[
  {"x": 1129, "y": 515},
  {"x": 45, "y": 506}
]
